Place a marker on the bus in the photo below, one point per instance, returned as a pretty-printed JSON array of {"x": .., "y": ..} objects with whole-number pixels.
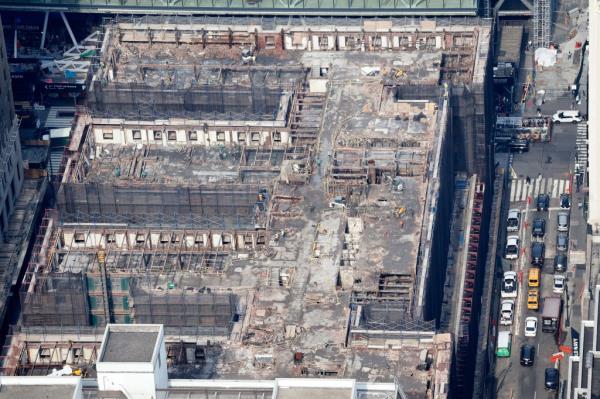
[{"x": 504, "y": 344}]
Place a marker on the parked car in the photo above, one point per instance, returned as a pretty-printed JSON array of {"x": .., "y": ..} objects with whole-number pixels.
[
  {"x": 551, "y": 377},
  {"x": 543, "y": 202},
  {"x": 527, "y": 355},
  {"x": 538, "y": 252},
  {"x": 559, "y": 284},
  {"x": 531, "y": 327},
  {"x": 563, "y": 221},
  {"x": 507, "y": 309},
  {"x": 565, "y": 201},
  {"x": 567, "y": 116},
  {"x": 512, "y": 247},
  {"x": 538, "y": 229},
  {"x": 514, "y": 220},
  {"x": 509, "y": 285},
  {"x": 562, "y": 242},
  {"x": 560, "y": 263}
]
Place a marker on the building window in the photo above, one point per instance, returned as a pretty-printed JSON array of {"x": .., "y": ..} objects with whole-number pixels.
[
  {"x": 140, "y": 239},
  {"x": 277, "y": 137},
  {"x": 44, "y": 353},
  {"x": 220, "y": 136},
  {"x": 171, "y": 135},
  {"x": 136, "y": 134},
  {"x": 193, "y": 135},
  {"x": 323, "y": 41},
  {"x": 107, "y": 135},
  {"x": 157, "y": 135},
  {"x": 255, "y": 136},
  {"x": 79, "y": 238},
  {"x": 110, "y": 239},
  {"x": 270, "y": 42},
  {"x": 242, "y": 136}
]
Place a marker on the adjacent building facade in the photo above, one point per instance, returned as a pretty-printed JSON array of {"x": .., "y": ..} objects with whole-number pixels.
[{"x": 11, "y": 164}]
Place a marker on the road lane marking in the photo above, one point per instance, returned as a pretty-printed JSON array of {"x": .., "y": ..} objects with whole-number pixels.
[
  {"x": 518, "y": 192},
  {"x": 513, "y": 190},
  {"x": 537, "y": 187},
  {"x": 554, "y": 188},
  {"x": 526, "y": 189},
  {"x": 562, "y": 186}
]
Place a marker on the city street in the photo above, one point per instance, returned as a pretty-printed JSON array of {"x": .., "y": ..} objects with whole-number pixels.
[
  {"x": 514, "y": 380},
  {"x": 549, "y": 169}
]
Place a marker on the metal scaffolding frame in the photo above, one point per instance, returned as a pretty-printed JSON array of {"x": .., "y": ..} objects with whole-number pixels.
[{"x": 542, "y": 23}]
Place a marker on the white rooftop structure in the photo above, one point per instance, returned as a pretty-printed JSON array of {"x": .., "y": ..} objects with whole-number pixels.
[{"x": 133, "y": 364}]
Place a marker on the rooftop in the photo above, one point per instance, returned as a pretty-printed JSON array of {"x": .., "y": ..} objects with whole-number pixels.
[
  {"x": 129, "y": 346},
  {"x": 37, "y": 391}
]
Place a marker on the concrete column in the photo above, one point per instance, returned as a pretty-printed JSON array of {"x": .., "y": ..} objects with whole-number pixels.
[{"x": 594, "y": 116}]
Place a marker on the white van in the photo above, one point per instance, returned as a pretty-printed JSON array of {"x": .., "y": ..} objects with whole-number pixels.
[{"x": 565, "y": 116}]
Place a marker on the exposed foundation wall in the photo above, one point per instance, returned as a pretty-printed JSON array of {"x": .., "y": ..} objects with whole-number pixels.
[{"x": 176, "y": 136}]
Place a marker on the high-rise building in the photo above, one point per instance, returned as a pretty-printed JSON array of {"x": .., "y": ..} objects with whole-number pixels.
[{"x": 11, "y": 164}]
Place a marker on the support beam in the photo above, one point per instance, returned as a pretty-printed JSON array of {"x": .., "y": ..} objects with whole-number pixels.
[
  {"x": 64, "y": 18},
  {"x": 15, "y": 45},
  {"x": 42, "y": 44}
]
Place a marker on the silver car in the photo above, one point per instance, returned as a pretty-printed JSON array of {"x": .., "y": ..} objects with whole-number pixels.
[
  {"x": 563, "y": 221},
  {"x": 562, "y": 242}
]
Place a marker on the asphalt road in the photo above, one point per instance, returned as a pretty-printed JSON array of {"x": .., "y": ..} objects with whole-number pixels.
[{"x": 548, "y": 165}]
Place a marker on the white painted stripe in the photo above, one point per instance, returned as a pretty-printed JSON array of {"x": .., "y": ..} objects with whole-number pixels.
[
  {"x": 513, "y": 190},
  {"x": 518, "y": 191},
  {"x": 543, "y": 189},
  {"x": 561, "y": 186},
  {"x": 555, "y": 188},
  {"x": 536, "y": 191},
  {"x": 526, "y": 190}
]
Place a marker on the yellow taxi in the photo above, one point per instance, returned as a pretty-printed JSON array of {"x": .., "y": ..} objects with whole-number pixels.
[
  {"x": 533, "y": 299},
  {"x": 534, "y": 277}
]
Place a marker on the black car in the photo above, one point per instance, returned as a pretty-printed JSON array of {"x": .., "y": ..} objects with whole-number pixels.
[
  {"x": 565, "y": 201},
  {"x": 543, "y": 202},
  {"x": 538, "y": 252},
  {"x": 518, "y": 145},
  {"x": 551, "y": 377},
  {"x": 527, "y": 355},
  {"x": 538, "y": 229},
  {"x": 560, "y": 263}
]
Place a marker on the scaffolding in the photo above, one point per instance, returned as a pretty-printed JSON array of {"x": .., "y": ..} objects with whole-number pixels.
[
  {"x": 135, "y": 101},
  {"x": 189, "y": 308},
  {"x": 56, "y": 300},
  {"x": 146, "y": 205},
  {"x": 542, "y": 23}
]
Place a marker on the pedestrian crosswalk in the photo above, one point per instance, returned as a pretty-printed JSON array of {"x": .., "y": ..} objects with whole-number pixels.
[{"x": 520, "y": 189}]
